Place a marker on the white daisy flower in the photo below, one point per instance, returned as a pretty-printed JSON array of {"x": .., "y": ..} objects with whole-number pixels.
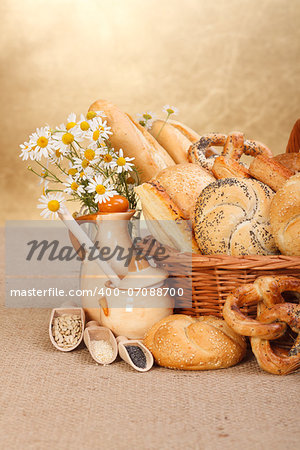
[
  {"x": 42, "y": 143},
  {"x": 146, "y": 119},
  {"x": 71, "y": 121},
  {"x": 72, "y": 187},
  {"x": 80, "y": 164},
  {"x": 92, "y": 114},
  {"x": 83, "y": 123},
  {"x": 84, "y": 174},
  {"x": 122, "y": 163},
  {"x": 98, "y": 130},
  {"x": 91, "y": 154},
  {"x": 43, "y": 176},
  {"x": 51, "y": 204},
  {"x": 102, "y": 189},
  {"x": 72, "y": 170},
  {"x": 27, "y": 151},
  {"x": 170, "y": 110},
  {"x": 57, "y": 156},
  {"x": 107, "y": 160},
  {"x": 64, "y": 138}
]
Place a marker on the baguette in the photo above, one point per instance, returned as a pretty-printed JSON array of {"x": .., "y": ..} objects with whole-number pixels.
[
  {"x": 136, "y": 142},
  {"x": 175, "y": 137}
]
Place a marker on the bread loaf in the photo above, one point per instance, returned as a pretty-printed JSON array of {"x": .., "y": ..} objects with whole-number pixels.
[
  {"x": 182, "y": 342},
  {"x": 285, "y": 217},
  {"x": 289, "y": 160},
  {"x": 175, "y": 137},
  {"x": 269, "y": 171},
  {"x": 232, "y": 217},
  {"x": 165, "y": 219},
  {"x": 150, "y": 157},
  {"x": 183, "y": 183}
]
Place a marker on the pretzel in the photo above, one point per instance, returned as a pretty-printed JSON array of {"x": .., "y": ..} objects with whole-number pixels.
[
  {"x": 271, "y": 358},
  {"x": 199, "y": 152},
  {"x": 227, "y": 164},
  {"x": 265, "y": 292}
]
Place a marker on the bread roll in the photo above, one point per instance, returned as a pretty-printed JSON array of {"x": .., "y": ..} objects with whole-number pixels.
[
  {"x": 182, "y": 342},
  {"x": 183, "y": 183},
  {"x": 165, "y": 216},
  {"x": 289, "y": 160},
  {"x": 150, "y": 157},
  {"x": 269, "y": 171},
  {"x": 175, "y": 137},
  {"x": 232, "y": 217},
  {"x": 285, "y": 217}
]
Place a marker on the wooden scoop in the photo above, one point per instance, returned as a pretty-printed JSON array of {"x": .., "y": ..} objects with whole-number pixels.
[
  {"x": 124, "y": 343},
  {"x": 94, "y": 332},
  {"x": 58, "y": 312}
]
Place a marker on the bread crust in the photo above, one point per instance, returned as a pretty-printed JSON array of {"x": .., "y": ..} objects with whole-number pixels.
[
  {"x": 285, "y": 217},
  {"x": 150, "y": 157},
  {"x": 289, "y": 160},
  {"x": 167, "y": 216},
  {"x": 182, "y": 342},
  {"x": 174, "y": 137},
  {"x": 269, "y": 171},
  {"x": 232, "y": 217},
  {"x": 183, "y": 183}
]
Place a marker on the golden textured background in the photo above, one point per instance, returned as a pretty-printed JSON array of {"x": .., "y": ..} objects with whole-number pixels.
[{"x": 226, "y": 64}]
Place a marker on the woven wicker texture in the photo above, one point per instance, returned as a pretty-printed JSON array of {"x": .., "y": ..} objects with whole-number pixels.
[{"x": 208, "y": 280}]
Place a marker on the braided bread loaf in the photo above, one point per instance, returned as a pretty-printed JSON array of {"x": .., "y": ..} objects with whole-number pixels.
[
  {"x": 182, "y": 342},
  {"x": 232, "y": 217}
]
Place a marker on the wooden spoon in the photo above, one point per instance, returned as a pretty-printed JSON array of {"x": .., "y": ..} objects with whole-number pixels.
[
  {"x": 70, "y": 310},
  {"x": 124, "y": 343},
  {"x": 93, "y": 332}
]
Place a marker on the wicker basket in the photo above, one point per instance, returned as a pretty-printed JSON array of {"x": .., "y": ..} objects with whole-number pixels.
[{"x": 207, "y": 280}]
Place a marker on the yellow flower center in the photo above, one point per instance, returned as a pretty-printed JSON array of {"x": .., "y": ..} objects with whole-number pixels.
[
  {"x": 170, "y": 111},
  {"x": 90, "y": 115},
  {"x": 74, "y": 186},
  {"x": 70, "y": 125},
  {"x": 57, "y": 153},
  {"x": 67, "y": 138},
  {"x": 96, "y": 135},
  {"x": 81, "y": 174},
  {"x": 72, "y": 171},
  {"x": 107, "y": 158},
  {"x": 42, "y": 142},
  {"x": 43, "y": 173},
  {"x": 85, "y": 163},
  {"x": 89, "y": 154},
  {"x": 121, "y": 161},
  {"x": 53, "y": 205},
  {"x": 100, "y": 189},
  {"x": 84, "y": 126}
]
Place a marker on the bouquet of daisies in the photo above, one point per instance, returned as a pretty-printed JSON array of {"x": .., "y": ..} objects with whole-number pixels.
[{"x": 77, "y": 159}]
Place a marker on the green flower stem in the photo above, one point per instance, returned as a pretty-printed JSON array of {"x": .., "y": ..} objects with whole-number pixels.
[
  {"x": 49, "y": 171},
  {"x": 163, "y": 125}
]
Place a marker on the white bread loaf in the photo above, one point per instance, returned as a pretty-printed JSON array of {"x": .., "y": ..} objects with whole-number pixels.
[
  {"x": 183, "y": 183},
  {"x": 285, "y": 217},
  {"x": 232, "y": 217},
  {"x": 175, "y": 137},
  {"x": 164, "y": 219},
  {"x": 150, "y": 157},
  {"x": 182, "y": 342}
]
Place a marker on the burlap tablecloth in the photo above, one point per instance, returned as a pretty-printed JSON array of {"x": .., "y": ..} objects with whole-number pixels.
[{"x": 55, "y": 400}]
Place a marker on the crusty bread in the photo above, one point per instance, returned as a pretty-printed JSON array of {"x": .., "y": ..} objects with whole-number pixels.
[
  {"x": 289, "y": 160},
  {"x": 285, "y": 217},
  {"x": 182, "y": 342},
  {"x": 150, "y": 157},
  {"x": 269, "y": 171},
  {"x": 175, "y": 137},
  {"x": 165, "y": 216},
  {"x": 232, "y": 217},
  {"x": 183, "y": 183}
]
